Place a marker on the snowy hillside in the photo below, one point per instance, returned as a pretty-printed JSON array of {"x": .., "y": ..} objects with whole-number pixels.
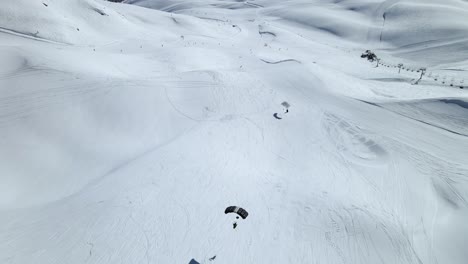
[{"x": 126, "y": 129}]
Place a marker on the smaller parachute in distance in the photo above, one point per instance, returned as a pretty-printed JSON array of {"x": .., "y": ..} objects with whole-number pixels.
[
  {"x": 277, "y": 116},
  {"x": 237, "y": 210}
]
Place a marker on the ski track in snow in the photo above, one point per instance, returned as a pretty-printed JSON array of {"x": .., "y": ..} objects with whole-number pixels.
[{"x": 128, "y": 128}]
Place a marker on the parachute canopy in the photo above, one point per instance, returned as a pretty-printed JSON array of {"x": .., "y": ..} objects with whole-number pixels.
[
  {"x": 277, "y": 116},
  {"x": 236, "y": 209}
]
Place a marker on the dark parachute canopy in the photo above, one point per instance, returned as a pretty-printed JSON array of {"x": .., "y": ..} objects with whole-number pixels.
[
  {"x": 236, "y": 209},
  {"x": 277, "y": 116}
]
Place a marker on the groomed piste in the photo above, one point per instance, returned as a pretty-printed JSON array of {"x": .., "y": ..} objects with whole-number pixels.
[{"x": 127, "y": 129}]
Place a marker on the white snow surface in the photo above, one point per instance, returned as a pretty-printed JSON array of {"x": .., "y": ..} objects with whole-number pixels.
[{"x": 127, "y": 128}]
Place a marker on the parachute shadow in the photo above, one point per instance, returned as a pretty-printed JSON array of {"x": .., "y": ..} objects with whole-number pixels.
[{"x": 277, "y": 116}]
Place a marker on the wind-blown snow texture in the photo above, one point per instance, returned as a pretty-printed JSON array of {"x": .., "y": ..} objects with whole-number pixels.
[{"x": 127, "y": 128}]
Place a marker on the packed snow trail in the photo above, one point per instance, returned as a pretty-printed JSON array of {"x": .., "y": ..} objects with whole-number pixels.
[{"x": 124, "y": 141}]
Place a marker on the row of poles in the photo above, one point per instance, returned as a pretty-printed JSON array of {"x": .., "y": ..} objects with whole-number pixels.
[{"x": 422, "y": 71}]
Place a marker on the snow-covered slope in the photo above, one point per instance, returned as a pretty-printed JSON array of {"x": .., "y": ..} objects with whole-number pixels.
[{"x": 127, "y": 129}]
